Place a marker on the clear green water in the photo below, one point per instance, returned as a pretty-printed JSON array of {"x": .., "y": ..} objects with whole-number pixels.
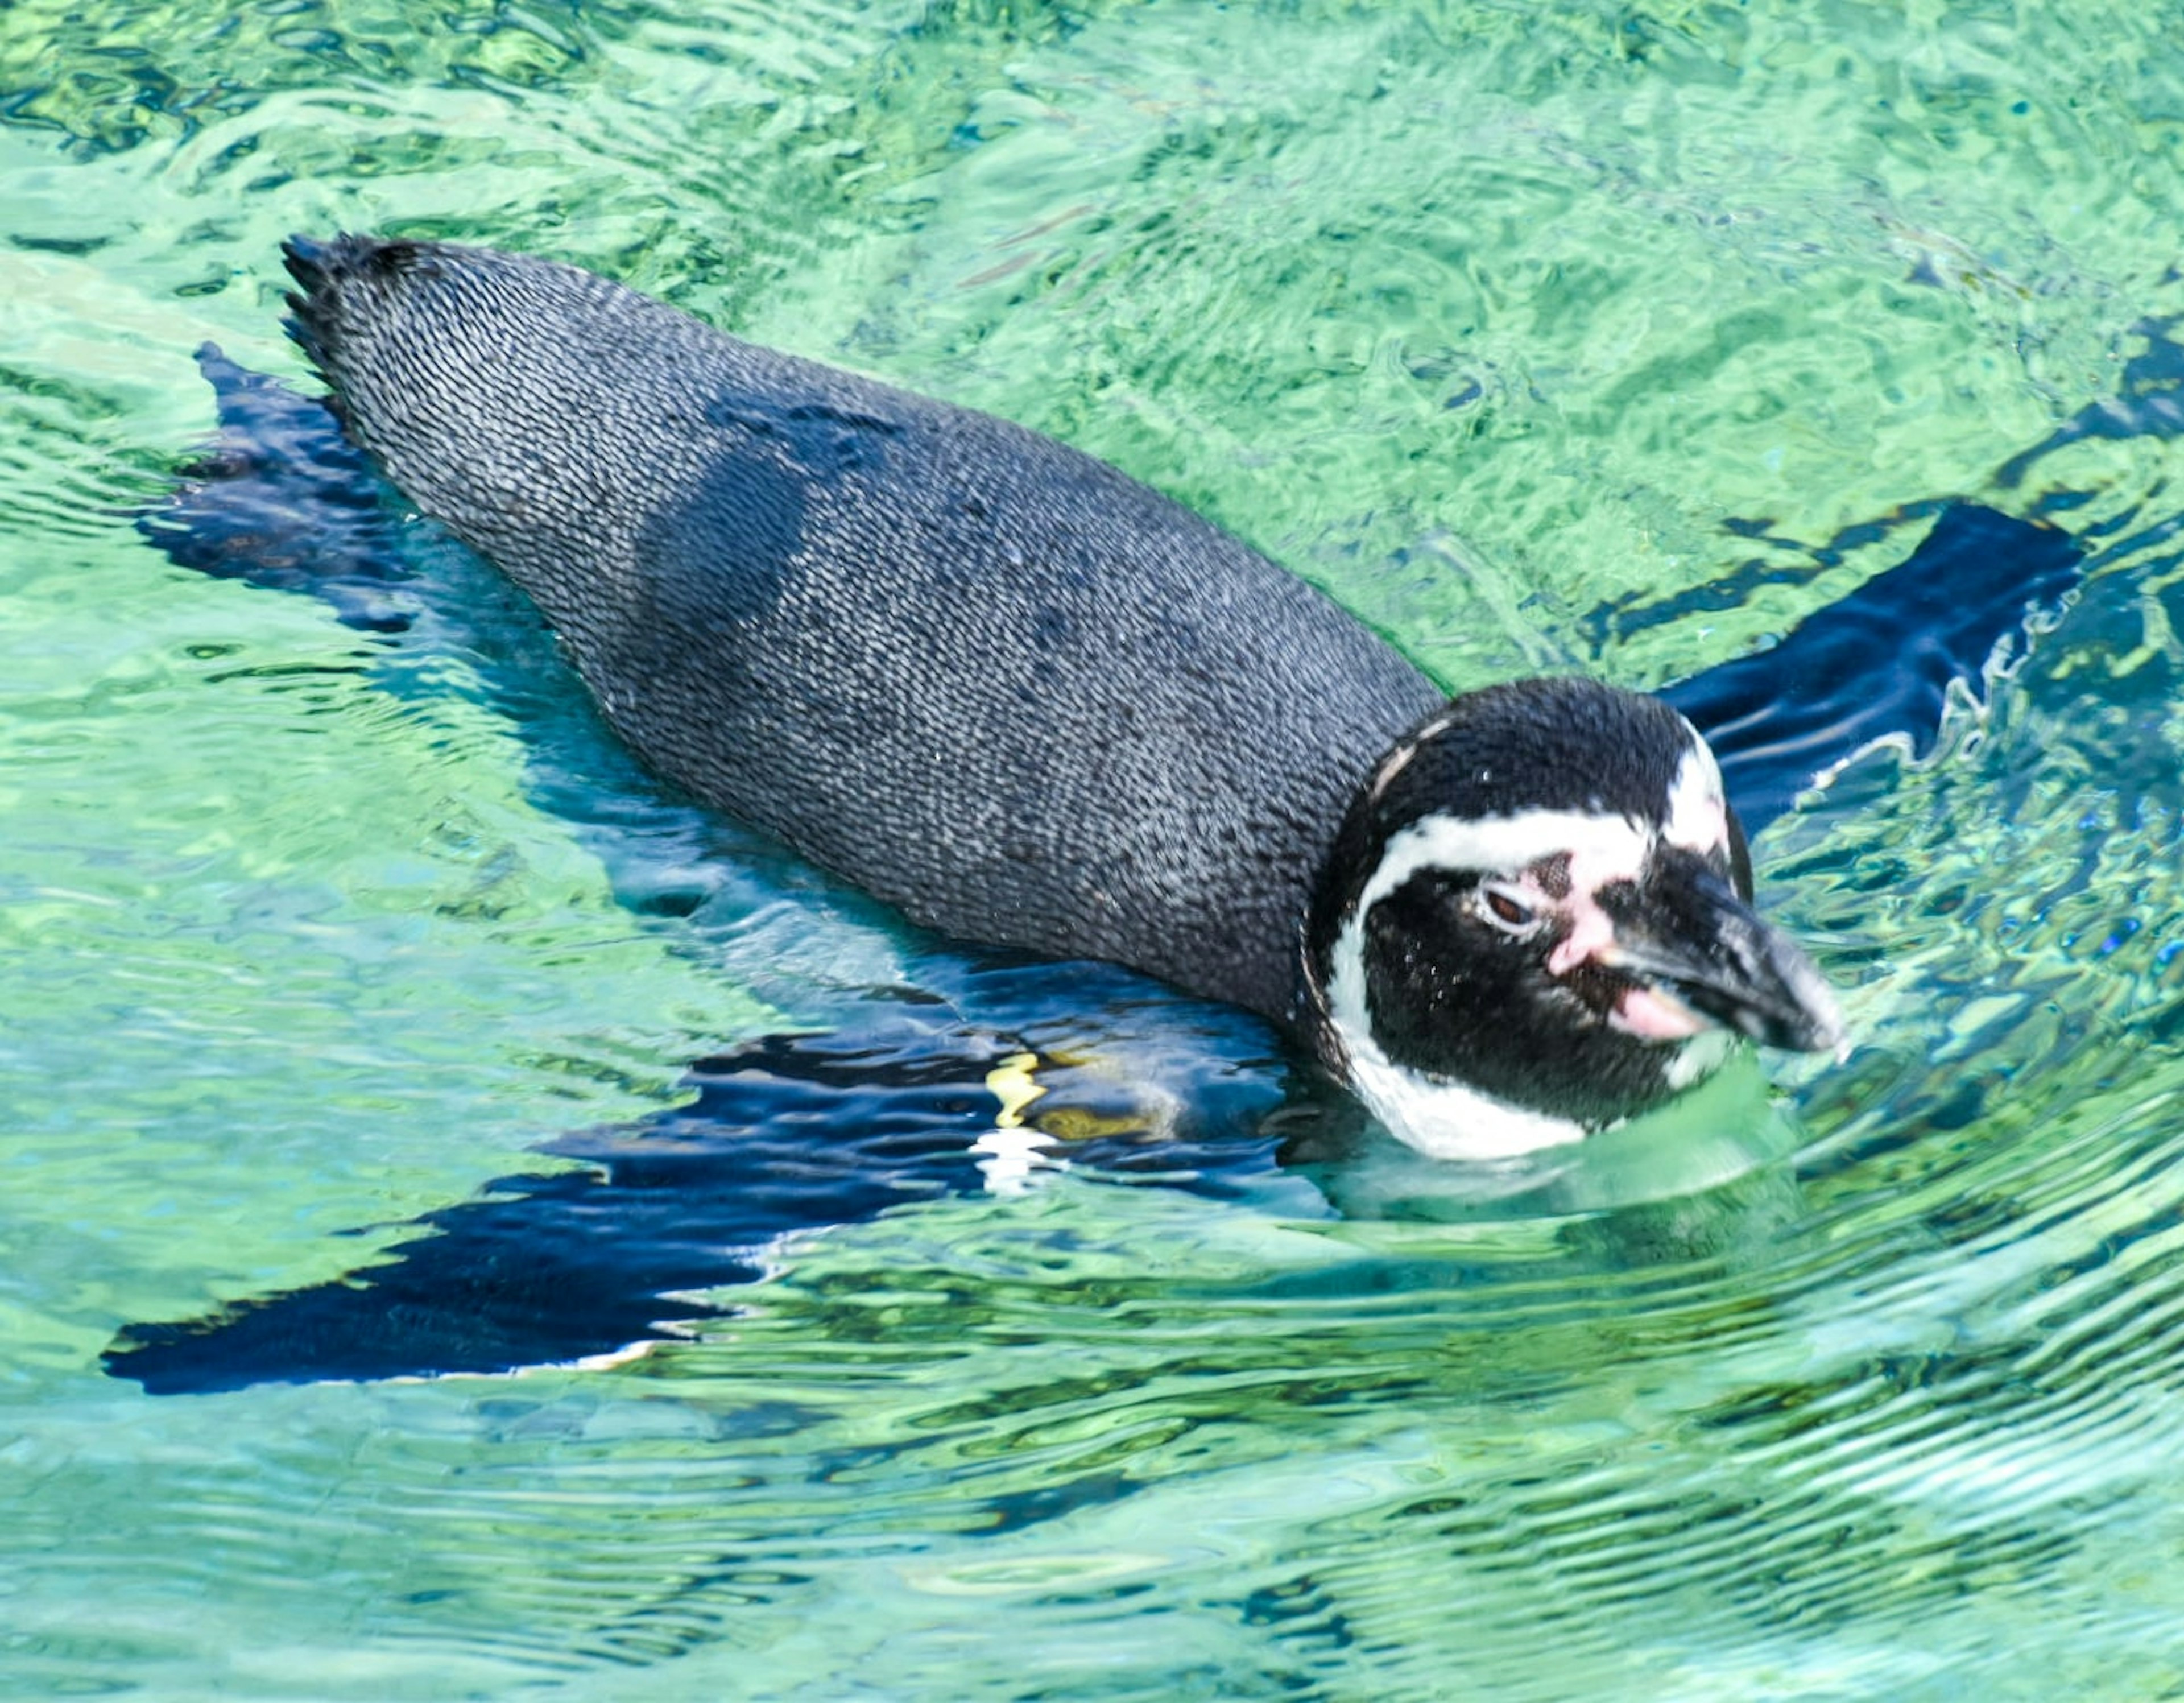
[{"x": 1486, "y": 316}]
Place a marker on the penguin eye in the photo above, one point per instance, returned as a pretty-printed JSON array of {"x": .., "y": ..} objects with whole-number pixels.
[{"x": 1510, "y": 913}]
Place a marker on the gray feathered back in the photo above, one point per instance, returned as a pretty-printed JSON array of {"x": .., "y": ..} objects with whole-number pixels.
[{"x": 988, "y": 679}]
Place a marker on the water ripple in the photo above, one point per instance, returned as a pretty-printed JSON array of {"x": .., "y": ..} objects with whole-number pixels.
[{"x": 1544, "y": 337}]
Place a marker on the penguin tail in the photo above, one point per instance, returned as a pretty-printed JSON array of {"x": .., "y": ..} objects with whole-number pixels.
[{"x": 329, "y": 273}]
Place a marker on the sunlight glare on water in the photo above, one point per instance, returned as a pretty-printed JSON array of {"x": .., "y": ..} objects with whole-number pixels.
[{"x": 1544, "y": 336}]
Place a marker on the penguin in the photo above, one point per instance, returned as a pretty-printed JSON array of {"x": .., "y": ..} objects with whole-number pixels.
[
  {"x": 1033, "y": 704},
  {"x": 803, "y": 1133}
]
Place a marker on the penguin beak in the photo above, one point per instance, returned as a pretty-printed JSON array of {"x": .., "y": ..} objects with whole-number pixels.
[{"x": 1700, "y": 955}]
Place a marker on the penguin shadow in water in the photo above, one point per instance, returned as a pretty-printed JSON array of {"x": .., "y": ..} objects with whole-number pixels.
[{"x": 1012, "y": 1068}]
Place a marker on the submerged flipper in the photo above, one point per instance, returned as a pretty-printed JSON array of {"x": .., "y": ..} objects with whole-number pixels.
[
  {"x": 787, "y": 1133},
  {"x": 282, "y": 500},
  {"x": 1880, "y": 665},
  {"x": 790, "y": 1133}
]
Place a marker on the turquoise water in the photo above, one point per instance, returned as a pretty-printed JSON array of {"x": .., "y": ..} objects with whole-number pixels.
[{"x": 1490, "y": 319}]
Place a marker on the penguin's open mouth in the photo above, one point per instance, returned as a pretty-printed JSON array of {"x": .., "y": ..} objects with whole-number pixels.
[
  {"x": 1687, "y": 954},
  {"x": 1632, "y": 1005},
  {"x": 1652, "y": 1013}
]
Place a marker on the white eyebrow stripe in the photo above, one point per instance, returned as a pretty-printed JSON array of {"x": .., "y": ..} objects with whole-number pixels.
[
  {"x": 1601, "y": 848},
  {"x": 1698, "y": 806}
]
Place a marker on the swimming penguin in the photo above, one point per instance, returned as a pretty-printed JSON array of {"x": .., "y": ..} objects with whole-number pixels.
[{"x": 1032, "y": 703}]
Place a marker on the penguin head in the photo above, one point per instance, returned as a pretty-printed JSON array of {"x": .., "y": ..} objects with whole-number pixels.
[{"x": 1536, "y": 922}]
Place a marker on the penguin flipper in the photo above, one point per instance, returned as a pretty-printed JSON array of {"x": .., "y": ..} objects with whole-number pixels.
[
  {"x": 281, "y": 499},
  {"x": 1881, "y": 665},
  {"x": 788, "y": 1133}
]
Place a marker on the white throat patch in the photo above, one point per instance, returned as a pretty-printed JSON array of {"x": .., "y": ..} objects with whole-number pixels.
[{"x": 1447, "y": 1119}]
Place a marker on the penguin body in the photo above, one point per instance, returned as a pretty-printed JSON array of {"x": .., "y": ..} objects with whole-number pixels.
[{"x": 1032, "y": 703}]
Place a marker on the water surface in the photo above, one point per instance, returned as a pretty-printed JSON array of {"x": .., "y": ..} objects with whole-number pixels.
[{"x": 1544, "y": 336}]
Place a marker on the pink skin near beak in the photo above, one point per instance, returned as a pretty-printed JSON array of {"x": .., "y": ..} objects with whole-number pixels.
[{"x": 1641, "y": 1011}]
